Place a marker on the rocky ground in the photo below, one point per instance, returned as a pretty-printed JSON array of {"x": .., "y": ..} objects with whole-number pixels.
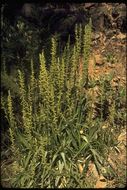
[{"x": 108, "y": 56}]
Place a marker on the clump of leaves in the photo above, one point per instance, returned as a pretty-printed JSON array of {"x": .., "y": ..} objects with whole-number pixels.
[{"x": 56, "y": 128}]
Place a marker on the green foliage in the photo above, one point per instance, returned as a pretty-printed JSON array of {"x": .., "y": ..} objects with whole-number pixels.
[
  {"x": 19, "y": 43},
  {"x": 86, "y": 51},
  {"x": 9, "y": 83},
  {"x": 56, "y": 127},
  {"x": 110, "y": 58}
]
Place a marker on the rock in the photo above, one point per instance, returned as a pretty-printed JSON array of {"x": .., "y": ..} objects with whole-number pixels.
[
  {"x": 80, "y": 168},
  {"x": 114, "y": 84},
  {"x": 109, "y": 34},
  {"x": 98, "y": 60},
  {"x": 108, "y": 16},
  {"x": 27, "y": 9},
  {"x": 92, "y": 170},
  {"x": 114, "y": 25},
  {"x": 123, "y": 78},
  {"x": 101, "y": 183},
  {"x": 115, "y": 14},
  {"x": 88, "y": 5},
  {"x": 116, "y": 79},
  {"x": 114, "y": 38},
  {"x": 96, "y": 36},
  {"x": 104, "y": 126},
  {"x": 111, "y": 65},
  {"x": 119, "y": 15},
  {"x": 107, "y": 21},
  {"x": 121, "y": 36},
  {"x": 121, "y": 24},
  {"x": 122, "y": 137},
  {"x": 98, "y": 22}
]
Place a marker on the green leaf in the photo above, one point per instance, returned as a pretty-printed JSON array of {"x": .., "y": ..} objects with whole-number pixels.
[
  {"x": 61, "y": 165},
  {"x": 27, "y": 159},
  {"x": 83, "y": 146},
  {"x": 63, "y": 157},
  {"x": 57, "y": 180},
  {"x": 93, "y": 132},
  {"x": 72, "y": 139},
  {"x": 23, "y": 141},
  {"x": 99, "y": 157},
  {"x": 54, "y": 158},
  {"x": 86, "y": 165},
  {"x": 30, "y": 184},
  {"x": 84, "y": 138}
]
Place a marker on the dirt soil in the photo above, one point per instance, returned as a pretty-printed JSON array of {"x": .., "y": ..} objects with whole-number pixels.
[{"x": 108, "y": 56}]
